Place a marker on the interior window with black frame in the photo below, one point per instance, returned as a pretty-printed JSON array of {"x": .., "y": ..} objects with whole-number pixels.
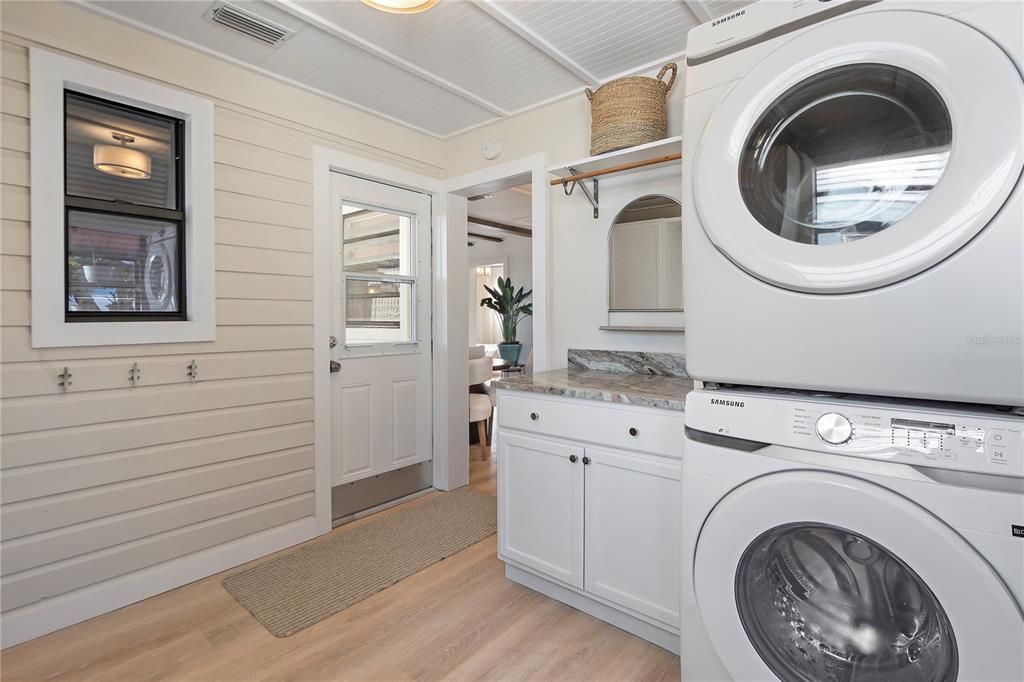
[{"x": 124, "y": 212}]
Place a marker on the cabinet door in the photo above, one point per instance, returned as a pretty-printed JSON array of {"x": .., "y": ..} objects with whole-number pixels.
[
  {"x": 633, "y": 540},
  {"x": 540, "y": 506}
]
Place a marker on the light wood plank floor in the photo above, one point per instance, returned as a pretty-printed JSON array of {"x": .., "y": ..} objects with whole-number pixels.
[{"x": 460, "y": 619}]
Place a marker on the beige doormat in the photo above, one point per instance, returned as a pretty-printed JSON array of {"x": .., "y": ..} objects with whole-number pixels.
[{"x": 301, "y": 588}]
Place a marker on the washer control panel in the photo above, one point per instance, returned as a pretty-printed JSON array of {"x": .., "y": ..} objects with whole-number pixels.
[
  {"x": 946, "y": 436},
  {"x": 970, "y": 442}
]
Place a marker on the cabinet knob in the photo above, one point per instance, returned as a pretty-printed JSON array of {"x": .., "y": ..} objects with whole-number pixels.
[
  {"x": 586, "y": 460},
  {"x": 633, "y": 431},
  {"x": 572, "y": 458},
  {"x": 534, "y": 416}
]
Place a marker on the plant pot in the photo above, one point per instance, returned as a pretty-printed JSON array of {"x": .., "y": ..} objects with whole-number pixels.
[
  {"x": 98, "y": 274},
  {"x": 509, "y": 352}
]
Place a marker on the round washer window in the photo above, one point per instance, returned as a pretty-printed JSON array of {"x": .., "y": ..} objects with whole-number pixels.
[
  {"x": 845, "y": 154},
  {"x": 823, "y": 603}
]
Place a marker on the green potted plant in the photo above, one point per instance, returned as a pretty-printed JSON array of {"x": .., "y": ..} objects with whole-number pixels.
[{"x": 508, "y": 304}]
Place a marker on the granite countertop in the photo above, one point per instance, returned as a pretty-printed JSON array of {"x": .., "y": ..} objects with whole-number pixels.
[{"x": 648, "y": 390}]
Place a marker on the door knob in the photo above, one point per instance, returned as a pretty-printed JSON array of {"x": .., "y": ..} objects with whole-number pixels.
[
  {"x": 335, "y": 366},
  {"x": 572, "y": 458},
  {"x": 586, "y": 460}
]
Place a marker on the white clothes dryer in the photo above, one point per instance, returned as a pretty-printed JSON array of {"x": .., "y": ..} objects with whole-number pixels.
[
  {"x": 830, "y": 539},
  {"x": 852, "y": 204},
  {"x": 161, "y": 271}
]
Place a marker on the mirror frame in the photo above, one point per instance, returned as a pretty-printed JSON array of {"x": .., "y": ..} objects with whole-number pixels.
[{"x": 608, "y": 292}]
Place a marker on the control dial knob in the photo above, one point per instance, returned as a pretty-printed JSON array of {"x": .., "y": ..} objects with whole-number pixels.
[{"x": 834, "y": 428}]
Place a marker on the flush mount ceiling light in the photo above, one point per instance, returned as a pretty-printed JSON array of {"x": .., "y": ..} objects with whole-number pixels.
[
  {"x": 120, "y": 160},
  {"x": 401, "y": 6}
]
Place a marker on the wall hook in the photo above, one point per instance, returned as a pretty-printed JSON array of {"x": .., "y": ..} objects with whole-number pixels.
[
  {"x": 193, "y": 371},
  {"x": 64, "y": 380},
  {"x": 135, "y": 374}
]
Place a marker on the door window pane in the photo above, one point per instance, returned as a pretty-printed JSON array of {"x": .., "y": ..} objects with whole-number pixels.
[
  {"x": 378, "y": 311},
  {"x": 122, "y": 264},
  {"x": 845, "y": 154},
  {"x": 824, "y": 603},
  {"x": 118, "y": 153},
  {"x": 376, "y": 242}
]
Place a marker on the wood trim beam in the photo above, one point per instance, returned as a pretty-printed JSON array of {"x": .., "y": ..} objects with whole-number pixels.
[
  {"x": 485, "y": 237},
  {"x": 527, "y": 34},
  {"x": 514, "y": 229},
  {"x": 337, "y": 31}
]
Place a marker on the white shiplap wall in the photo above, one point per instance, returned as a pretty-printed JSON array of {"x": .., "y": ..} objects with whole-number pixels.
[{"x": 109, "y": 480}]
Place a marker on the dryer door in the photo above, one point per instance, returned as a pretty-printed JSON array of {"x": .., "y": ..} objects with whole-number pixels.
[
  {"x": 861, "y": 152},
  {"x": 809, "y": 575}
]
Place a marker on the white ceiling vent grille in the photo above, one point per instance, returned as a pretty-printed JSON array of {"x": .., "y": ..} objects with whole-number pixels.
[{"x": 249, "y": 23}]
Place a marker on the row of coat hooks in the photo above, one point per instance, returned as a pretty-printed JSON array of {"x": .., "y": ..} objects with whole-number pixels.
[{"x": 64, "y": 379}]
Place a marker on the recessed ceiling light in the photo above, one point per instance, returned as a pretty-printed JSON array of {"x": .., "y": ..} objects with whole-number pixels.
[{"x": 401, "y": 6}]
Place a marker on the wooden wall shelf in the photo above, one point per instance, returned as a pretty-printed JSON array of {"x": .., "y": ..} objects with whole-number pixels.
[{"x": 641, "y": 157}]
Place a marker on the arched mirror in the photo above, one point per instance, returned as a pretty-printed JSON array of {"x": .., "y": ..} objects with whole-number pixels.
[{"x": 645, "y": 247}]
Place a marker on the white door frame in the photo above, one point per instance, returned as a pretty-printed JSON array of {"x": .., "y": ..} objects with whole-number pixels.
[
  {"x": 496, "y": 178},
  {"x": 326, "y": 160},
  {"x": 450, "y": 334}
]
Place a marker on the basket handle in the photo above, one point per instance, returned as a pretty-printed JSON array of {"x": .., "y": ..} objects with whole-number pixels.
[
  {"x": 661, "y": 74},
  {"x": 589, "y": 93}
]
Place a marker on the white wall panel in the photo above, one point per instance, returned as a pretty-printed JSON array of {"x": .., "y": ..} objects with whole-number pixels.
[{"x": 113, "y": 480}]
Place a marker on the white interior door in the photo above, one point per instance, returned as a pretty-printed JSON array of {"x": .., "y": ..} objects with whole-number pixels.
[{"x": 380, "y": 276}]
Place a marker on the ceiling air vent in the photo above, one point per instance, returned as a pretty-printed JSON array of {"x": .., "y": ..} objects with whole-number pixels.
[{"x": 249, "y": 23}]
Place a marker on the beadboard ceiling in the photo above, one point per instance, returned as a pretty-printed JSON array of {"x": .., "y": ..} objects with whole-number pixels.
[{"x": 459, "y": 65}]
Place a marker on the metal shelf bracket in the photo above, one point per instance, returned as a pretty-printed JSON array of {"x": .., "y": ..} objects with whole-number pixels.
[{"x": 569, "y": 187}]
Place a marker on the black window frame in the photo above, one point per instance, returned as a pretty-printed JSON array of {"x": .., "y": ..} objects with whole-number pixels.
[{"x": 176, "y": 216}]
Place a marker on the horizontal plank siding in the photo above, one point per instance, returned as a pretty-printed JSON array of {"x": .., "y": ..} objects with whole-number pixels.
[
  {"x": 54, "y": 478},
  {"x": 14, "y": 237},
  {"x": 260, "y": 184},
  {"x": 238, "y": 154},
  {"x": 262, "y": 236},
  {"x": 45, "y": 514},
  {"x": 55, "y": 445},
  {"x": 32, "y": 586},
  {"x": 113, "y": 477},
  {"x": 43, "y": 548},
  {"x": 20, "y": 415},
  {"x": 16, "y": 344}
]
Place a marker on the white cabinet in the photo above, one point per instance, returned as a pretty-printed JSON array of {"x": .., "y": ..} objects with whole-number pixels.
[
  {"x": 586, "y": 520},
  {"x": 632, "y": 517},
  {"x": 541, "y": 496}
]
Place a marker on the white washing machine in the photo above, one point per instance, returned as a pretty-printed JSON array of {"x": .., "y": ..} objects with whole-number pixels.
[
  {"x": 828, "y": 539},
  {"x": 852, "y": 204},
  {"x": 161, "y": 271}
]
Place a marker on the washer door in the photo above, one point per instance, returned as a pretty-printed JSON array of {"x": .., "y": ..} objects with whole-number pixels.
[
  {"x": 861, "y": 152},
  {"x": 807, "y": 575}
]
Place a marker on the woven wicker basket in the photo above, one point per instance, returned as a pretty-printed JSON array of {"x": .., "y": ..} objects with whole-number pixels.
[{"x": 629, "y": 111}]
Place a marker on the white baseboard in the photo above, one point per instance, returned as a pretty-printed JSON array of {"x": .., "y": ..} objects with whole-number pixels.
[
  {"x": 623, "y": 621},
  {"x": 59, "y": 612}
]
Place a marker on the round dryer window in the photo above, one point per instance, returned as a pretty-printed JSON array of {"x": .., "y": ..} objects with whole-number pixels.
[
  {"x": 845, "y": 154},
  {"x": 861, "y": 152}
]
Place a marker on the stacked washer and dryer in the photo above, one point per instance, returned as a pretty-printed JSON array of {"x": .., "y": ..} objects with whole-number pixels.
[{"x": 853, "y": 477}]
